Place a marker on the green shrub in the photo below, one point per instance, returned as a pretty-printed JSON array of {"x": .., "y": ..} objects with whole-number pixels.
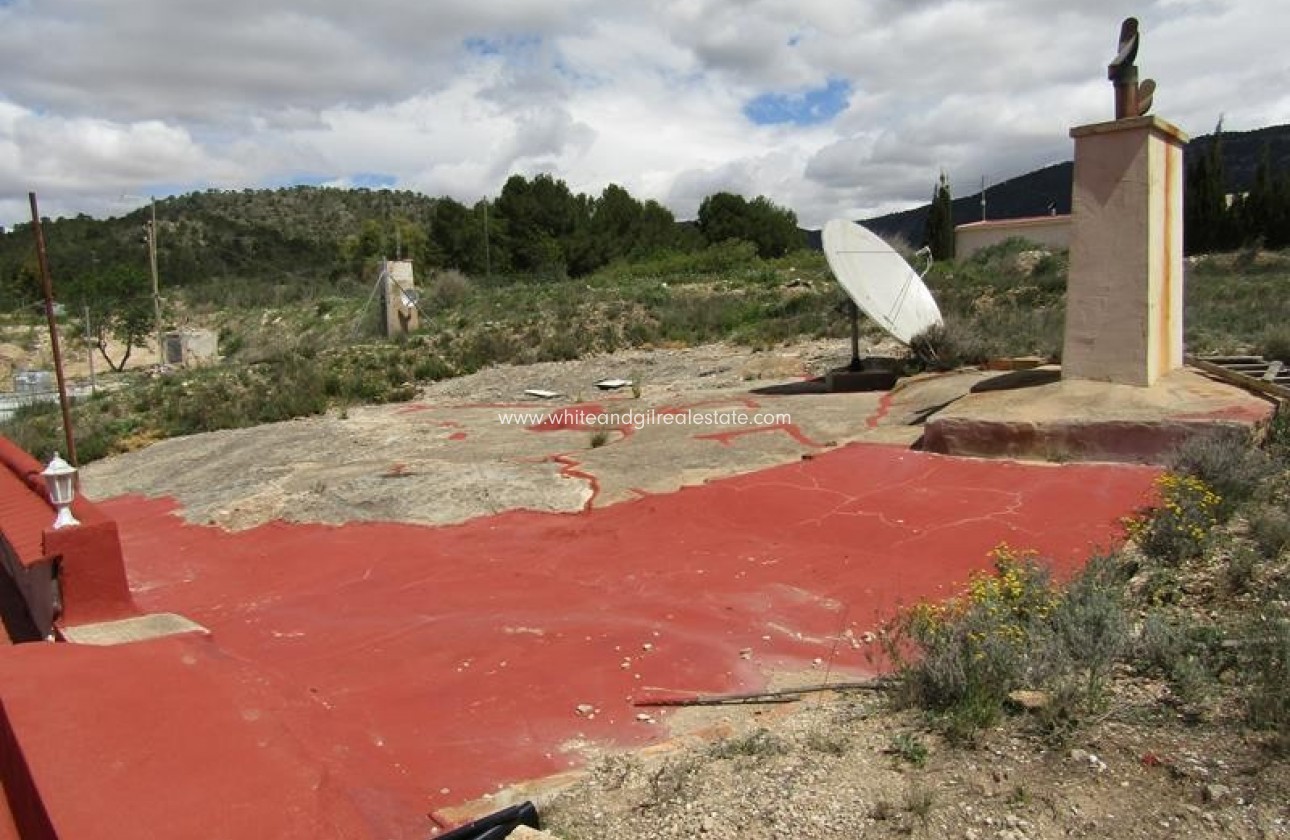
[
  {"x": 963, "y": 658},
  {"x": 448, "y": 288},
  {"x": 1242, "y": 567},
  {"x": 1013, "y": 629},
  {"x": 1267, "y": 666},
  {"x": 1186, "y": 652},
  {"x": 1176, "y": 529},
  {"x": 1090, "y": 627},
  {"x": 1274, "y": 344},
  {"x": 1270, "y": 530},
  {"x": 1226, "y": 462}
]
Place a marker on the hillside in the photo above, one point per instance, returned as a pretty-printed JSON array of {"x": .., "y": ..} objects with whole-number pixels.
[
  {"x": 247, "y": 244},
  {"x": 268, "y": 235}
]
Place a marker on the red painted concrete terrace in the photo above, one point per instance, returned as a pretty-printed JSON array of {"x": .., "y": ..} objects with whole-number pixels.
[{"x": 359, "y": 678}]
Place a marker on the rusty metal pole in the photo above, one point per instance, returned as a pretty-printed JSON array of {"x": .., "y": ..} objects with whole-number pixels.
[
  {"x": 854, "y": 312},
  {"x": 48, "y": 287},
  {"x": 1126, "y": 93}
]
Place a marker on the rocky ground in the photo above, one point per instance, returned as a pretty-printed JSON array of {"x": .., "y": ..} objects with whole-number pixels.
[
  {"x": 847, "y": 765},
  {"x": 447, "y": 457}
]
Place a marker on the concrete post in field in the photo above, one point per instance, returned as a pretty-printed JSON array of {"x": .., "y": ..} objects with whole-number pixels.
[
  {"x": 399, "y": 296},
  {"x": 1124, "y": 293}
]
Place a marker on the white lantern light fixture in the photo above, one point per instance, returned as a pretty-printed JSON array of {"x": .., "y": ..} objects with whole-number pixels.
[{"x": 60, "y": 478}]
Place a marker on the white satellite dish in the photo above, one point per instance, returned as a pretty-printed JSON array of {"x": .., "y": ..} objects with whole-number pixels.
[{"x": 879, "y": 280}]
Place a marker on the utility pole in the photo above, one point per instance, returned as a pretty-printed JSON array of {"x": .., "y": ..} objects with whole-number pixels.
[
  {"x": 156, "y": 293},
  {"x": 983, "y": 198},
  {"x": 89, "y": 348},
  {"x": 488, "y": 257},
  {"x": 47, "y": 286}
]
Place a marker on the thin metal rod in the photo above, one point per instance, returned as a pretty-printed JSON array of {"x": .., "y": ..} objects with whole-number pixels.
[
  {"x": 854, "y": 311},
  {"x": 48, "y": 287}
]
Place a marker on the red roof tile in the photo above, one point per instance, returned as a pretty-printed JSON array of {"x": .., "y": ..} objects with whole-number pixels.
[{"x": 24, "y": 513}]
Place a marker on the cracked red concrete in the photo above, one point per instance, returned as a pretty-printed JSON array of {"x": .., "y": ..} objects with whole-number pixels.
[
  {"x": 884, "y": 406},
  {"x": 570, "y": 468},
  {"x": 421, "y": 667}
]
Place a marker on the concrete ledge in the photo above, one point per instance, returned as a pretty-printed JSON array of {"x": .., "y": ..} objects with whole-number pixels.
[
  {"x": 126, "y": 630},
  {"x": 1124, "y": 442},
  {"x": 1029, "y": 415}
]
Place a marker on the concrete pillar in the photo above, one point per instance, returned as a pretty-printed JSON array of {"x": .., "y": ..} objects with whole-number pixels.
[
  {"x": 1124, "y": 296},
  {"x": 398, "y": 310}
]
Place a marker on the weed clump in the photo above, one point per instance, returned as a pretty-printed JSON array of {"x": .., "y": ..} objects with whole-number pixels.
[
  {"x": 759, "y": 743},
  {"x": 952, "y": 344},
  {"x": 909, "y": 748}
]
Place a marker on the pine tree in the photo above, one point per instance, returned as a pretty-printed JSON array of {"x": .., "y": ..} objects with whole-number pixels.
[{"x": 939, "y": 233}]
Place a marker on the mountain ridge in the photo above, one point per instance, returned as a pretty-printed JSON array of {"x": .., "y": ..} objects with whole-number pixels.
[{"x": 1048, "y": 189}]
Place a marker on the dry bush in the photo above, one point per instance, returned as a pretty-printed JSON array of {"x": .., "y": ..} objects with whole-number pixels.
[{"x": 448, "y": 288}]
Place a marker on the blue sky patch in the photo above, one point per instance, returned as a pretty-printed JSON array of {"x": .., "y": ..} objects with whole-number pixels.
[
  {"x": 503, "y": 46},
  {"x": 296, "y": 179},
  {"x": 809, "y": 107},
  {"x": 373, "y": 180}
]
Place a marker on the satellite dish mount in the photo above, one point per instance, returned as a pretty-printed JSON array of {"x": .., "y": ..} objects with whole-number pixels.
[{"x": 881, "y": 284}]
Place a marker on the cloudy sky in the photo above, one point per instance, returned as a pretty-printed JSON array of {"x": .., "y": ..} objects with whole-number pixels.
[{"x": 830, "y": 107}]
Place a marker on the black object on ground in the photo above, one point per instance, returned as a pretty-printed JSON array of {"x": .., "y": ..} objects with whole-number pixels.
[{"x": 498, "y": 825}]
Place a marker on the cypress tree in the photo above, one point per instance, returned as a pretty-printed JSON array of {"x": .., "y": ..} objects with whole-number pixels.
[
  {"x": 1206, "y": 225},
  {"x": 1257, "y": 206},
  {"x": 1279, "y": 214},
  {"x": 939, "y": 232}
]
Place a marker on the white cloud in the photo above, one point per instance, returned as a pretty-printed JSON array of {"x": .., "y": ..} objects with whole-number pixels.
[{"x": 453, "y": 96}]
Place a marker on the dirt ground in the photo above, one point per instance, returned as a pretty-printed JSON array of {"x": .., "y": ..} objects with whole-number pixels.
[
  {"x": 833, "y": 765},
  {"x": 846, "y": 765}
]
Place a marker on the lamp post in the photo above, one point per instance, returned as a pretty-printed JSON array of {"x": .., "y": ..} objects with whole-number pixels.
[{"x": 60, "y": 479}]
